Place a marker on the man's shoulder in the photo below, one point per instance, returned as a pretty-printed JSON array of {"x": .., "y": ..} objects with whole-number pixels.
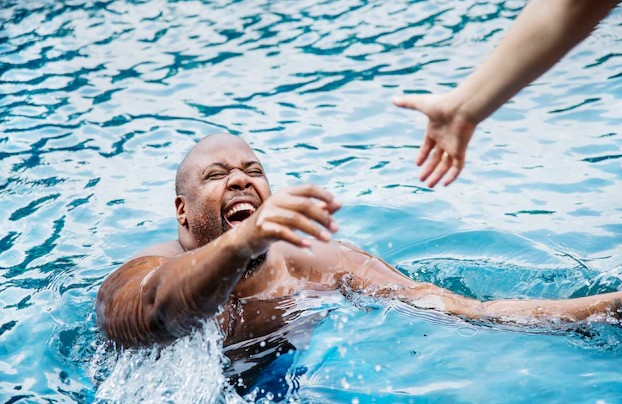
[
  {"x": 168, "y": 249},
  {"x": 148, "y": 259},
  {"x": 140, "y": 266}
]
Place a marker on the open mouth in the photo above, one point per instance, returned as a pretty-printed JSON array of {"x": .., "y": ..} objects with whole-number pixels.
[{"x": 238, "y": 213}]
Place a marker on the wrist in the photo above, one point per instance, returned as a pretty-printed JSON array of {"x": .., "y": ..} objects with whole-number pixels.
[
  {"x": 243, "y": 243},
  {"x": 464, "y": 107}
]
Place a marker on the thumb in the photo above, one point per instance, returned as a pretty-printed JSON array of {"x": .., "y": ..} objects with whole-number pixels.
[{"x": 410, "y": 101}]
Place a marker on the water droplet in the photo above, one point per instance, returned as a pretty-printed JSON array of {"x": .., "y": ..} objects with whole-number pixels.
[{"x": 467, "y": 332}]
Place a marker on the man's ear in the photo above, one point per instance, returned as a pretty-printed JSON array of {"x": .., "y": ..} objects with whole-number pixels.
[{"x": 180, "y": 208}]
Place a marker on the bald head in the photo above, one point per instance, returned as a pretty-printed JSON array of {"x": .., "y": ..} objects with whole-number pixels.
[
  {"x": 208, "y": 148},
  {"x": 216, "y": 171}
]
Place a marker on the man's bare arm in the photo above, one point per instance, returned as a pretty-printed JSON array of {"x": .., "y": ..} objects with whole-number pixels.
[
  {"x": 153, "y": 299},
  {"x": 375, "y": 277},
  {"x": 575, "y": 309},
  {"x": 430, "y": 296}
]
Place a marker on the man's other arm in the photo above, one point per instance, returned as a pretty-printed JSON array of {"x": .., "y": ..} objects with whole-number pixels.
[{"x": 373, "y": 276}]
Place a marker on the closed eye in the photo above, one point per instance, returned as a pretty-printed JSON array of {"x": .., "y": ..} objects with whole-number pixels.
[
  {"x": 217, "y": 175},
  {"x": 255, "y": 172}
]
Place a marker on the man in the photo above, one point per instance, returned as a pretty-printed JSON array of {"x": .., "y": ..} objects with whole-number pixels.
[{"x": 238, "y": 248}]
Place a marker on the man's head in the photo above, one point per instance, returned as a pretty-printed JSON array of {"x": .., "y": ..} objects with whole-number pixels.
[{"x": 219, "y": 184}]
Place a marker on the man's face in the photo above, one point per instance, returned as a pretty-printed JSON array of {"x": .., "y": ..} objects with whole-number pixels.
[{"x": 226, "y": 184}]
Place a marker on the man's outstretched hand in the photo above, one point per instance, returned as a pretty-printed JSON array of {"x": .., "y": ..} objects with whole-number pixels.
[
  {"x": 305, "y": 208},
  {"x": 446, "y": 137}
]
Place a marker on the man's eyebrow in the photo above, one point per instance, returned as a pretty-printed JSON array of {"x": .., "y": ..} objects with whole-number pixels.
[
  {"x": 250, "y": 163},
  {"x": 221, "y": 165}
]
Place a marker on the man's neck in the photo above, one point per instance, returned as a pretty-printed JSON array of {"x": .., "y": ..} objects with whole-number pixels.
[
  {"x": 186, "y": 240},
  {"x": 254, "y": 264}
]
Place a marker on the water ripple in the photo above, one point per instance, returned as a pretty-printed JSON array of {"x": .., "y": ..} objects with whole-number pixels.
[{"x": 100, "y": 100}]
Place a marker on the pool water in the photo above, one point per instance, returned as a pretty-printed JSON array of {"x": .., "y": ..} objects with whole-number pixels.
[{"x": 99, "y": 101}]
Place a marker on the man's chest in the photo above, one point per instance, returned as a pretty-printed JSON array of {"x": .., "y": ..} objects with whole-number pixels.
[{"x": 279, "y": 278}]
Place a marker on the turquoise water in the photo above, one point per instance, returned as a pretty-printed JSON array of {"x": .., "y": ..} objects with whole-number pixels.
[{"x": 99, "y": 101}]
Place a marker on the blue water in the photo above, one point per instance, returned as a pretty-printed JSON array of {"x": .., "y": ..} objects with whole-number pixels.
[{"x": 99, "y": 101}]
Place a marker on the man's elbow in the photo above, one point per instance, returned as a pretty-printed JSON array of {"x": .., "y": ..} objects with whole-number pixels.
[
  {"x": 170, "y": 316},
  {"x": 121, "y": 319}
]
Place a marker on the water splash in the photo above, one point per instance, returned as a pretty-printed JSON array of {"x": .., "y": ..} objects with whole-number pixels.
[{"x": 189, "y": 370}]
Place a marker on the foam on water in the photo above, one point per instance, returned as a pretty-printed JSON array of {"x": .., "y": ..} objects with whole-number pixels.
[{"x": 190, "y": 371}]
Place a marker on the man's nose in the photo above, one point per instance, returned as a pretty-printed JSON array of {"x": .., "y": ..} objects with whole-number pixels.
[{"x": 238, "y": 180}]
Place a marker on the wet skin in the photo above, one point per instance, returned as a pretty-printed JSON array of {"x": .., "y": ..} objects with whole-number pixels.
[{"x": 240, "y": 255}]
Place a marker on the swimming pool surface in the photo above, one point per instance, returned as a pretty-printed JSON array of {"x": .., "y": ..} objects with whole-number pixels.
[{"x": 99, "y": 101}]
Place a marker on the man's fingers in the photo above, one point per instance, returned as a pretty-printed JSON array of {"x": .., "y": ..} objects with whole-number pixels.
[
  {"x": 313, "y": 191},
  {"x": 283, "y": 233},
  {"x": 305, "y": 208},
  {"x": 440, "y": 170},
  {"x": 333, "y": 206},
  {"x": 318, "y": 211},
  {"x": 296, "y": 221}
]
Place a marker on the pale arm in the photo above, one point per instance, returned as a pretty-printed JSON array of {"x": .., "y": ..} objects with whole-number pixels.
[{"x": 542, "y": 34}]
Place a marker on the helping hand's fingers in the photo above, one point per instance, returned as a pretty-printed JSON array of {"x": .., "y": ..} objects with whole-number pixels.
[
  {"x": 449, "y": 129},
  {"x": 440, "y": 170},
  {"x": 431, "y": 164},
  {"x": 454, "y": 171},
  {"x": 424, "y": 151},
  {"x": 406, "y": 101}
]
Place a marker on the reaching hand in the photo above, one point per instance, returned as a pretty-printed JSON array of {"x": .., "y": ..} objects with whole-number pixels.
[
  {"x": 448, "y": 134},
  {"x": 288, "y": 210}
]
